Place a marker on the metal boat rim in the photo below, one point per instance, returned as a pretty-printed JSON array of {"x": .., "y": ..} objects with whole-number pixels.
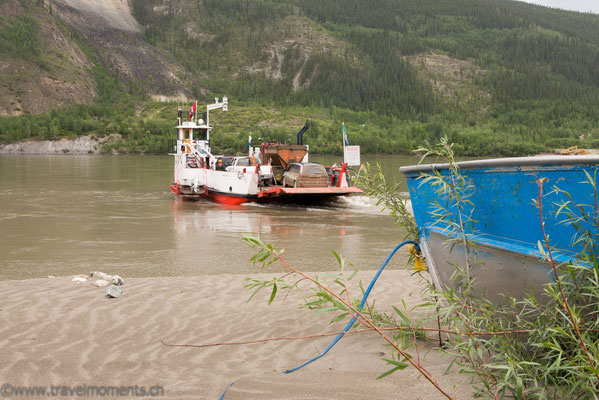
[{"x": 509, "y": 162}]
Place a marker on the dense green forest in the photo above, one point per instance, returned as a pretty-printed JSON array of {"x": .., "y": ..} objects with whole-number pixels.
[{"x": 528, "y": 81}]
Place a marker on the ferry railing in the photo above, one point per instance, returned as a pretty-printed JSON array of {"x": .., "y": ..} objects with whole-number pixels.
[
  {"x": 172, "y": 146},
  {"x": 197, "y": 150},
  {"x": 177, "y": 146}
]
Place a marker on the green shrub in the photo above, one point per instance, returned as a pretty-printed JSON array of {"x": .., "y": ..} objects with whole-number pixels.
[{"x": 19, "y": 38}]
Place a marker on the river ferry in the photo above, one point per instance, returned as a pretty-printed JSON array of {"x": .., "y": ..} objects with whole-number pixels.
[{"x": 271, "y": 172}]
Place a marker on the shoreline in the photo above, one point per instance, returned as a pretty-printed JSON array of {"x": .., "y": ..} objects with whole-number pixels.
[
  {"x": 80, "y": 145},
  {"x": 61, "y": 333}
]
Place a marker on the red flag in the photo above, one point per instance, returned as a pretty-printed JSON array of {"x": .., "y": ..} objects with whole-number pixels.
[{"x": 193, "y": 110}]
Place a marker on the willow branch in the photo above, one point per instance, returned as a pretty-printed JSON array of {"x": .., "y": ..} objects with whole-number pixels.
[{"x": 566, "y": 305}]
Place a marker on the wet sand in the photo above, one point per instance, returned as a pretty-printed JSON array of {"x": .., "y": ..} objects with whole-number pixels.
[{"x": 55, "y": 332}]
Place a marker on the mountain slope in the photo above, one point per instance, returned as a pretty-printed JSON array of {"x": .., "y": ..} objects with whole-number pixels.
[
  {"x": 41, "y": 66},
  {"x": 496, "y": 76},
  {"x": 49, "y": 48},
  {"x": 109, "y": 29},
  {"x": 257, "y": 49}
]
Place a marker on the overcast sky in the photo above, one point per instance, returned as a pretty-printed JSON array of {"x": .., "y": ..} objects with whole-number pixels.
[{"x": 574, "y": 5}]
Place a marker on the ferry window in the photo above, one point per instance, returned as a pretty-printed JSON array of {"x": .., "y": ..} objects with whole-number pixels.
[
  {"x": 314, "y": 170},
  {"x": 243, "y": 162},
  {"x": 187, "y": 134},
  {"x": 203, "y": 134}
]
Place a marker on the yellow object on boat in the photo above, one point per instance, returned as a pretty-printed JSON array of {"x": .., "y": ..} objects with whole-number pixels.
[{"x": 418, "y": 260}]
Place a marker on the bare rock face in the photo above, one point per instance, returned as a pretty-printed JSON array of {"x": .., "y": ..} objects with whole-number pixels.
[
  {"x": 78, "y": 146},
  {"x": 113, "y": 13},
  {"x": 110, "y": 29}
]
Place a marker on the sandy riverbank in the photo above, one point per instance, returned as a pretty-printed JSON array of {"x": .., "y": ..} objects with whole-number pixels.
[{"x": 55, "y": 332}]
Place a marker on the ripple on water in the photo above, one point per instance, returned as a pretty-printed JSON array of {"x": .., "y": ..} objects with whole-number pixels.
[{"x": 84, "y": 217}]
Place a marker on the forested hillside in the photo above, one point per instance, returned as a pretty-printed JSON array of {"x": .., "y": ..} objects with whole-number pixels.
[{"x": 498, "y": 77}]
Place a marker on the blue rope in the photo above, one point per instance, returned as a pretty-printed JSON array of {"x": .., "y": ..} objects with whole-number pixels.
[
  {"x": 353, "y": 320},
  {"x": 222, "y": 396}
]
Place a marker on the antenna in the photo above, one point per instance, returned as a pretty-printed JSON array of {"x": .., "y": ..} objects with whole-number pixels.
[{"x": 224, "y": 105}]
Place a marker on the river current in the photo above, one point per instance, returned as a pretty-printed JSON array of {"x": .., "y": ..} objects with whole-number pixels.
[{"x": 66, "y": 215}]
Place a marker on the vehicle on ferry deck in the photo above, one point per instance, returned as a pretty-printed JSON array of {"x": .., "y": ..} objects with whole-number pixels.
[{"x": 306, "y": 175}]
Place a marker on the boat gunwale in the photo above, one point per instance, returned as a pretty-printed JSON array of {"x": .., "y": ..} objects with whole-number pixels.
[{"x": 513, "y": 162}]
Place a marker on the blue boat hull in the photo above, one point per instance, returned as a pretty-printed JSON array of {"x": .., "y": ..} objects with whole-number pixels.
[{"x": 504, "y": 240}]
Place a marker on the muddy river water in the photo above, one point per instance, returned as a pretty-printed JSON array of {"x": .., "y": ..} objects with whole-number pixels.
[{"x": 64, "y": 215}]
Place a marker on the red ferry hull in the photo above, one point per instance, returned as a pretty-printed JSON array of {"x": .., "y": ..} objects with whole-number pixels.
[
  {"x": 276, "y": 194},
  {"x": 225, "y": 199}
]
